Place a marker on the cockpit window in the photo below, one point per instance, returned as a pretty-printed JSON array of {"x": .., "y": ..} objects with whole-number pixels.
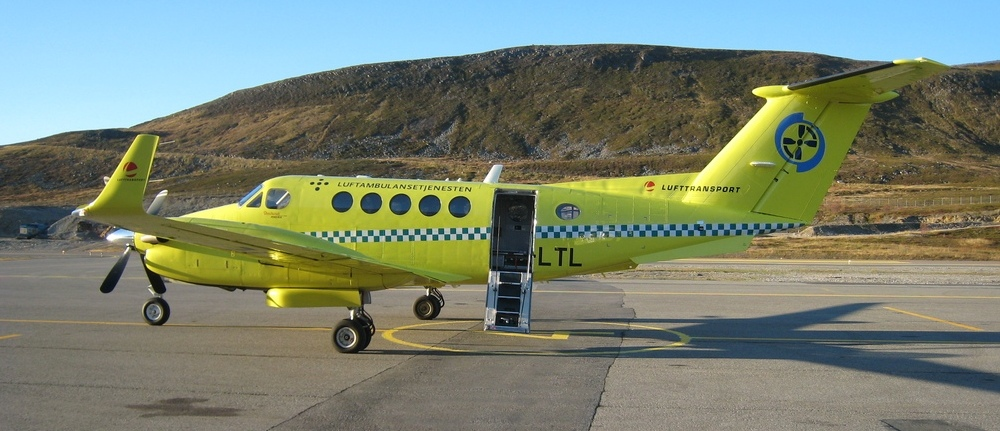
[
  {"x": 246, "y": 198},
  {"x": 277, "y": 199}
]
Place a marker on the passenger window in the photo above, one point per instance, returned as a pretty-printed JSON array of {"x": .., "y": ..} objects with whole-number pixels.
[
  {"x": 399, "y": 204},
  {"x": 567, "y": 211},
  {"x": 277, "y": 199},
  {"x": 460, "y": 206},
  {"x": 343, "y": 201},
  {"x": 371, "y": 203},
  {"x": 430, "y": 205}
]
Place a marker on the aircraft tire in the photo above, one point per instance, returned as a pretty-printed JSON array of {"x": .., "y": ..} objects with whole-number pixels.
[
  {"x": 156, "y": 311},
  {"x": 349, "y": 336},
  {"x": 426, "y": 308}
]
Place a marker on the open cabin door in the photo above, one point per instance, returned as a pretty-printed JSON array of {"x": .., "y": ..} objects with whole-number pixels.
[{"x": 508, "y": 296}]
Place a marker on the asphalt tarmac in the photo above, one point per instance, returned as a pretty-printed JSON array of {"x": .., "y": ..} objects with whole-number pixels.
[{"x": 604, "y": 354}]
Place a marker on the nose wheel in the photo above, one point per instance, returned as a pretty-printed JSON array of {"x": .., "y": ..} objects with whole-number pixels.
[{"x": 156, "y": 311}]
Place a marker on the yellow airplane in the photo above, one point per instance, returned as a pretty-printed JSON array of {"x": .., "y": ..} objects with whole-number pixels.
[{"x": 327, "y": 241}]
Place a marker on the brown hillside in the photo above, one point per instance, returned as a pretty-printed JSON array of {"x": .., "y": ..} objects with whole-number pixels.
[{"x": 551, "y": 112}]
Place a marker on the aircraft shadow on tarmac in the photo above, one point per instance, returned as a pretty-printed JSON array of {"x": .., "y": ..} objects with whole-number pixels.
[{"x": 777, "y": 337}]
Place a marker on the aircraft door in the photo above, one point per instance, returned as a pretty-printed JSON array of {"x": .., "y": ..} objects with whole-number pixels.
[{"x": 508, "y": 296}]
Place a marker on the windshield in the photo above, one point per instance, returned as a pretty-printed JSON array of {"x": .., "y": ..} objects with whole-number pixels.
[{"x": 250, "y": 195}]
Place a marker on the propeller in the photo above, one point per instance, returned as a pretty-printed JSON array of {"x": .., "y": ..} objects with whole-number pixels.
[
  {"x": 126, "y": 238},
  {"x": 116, "y": 272},
  {"x": 155, "y": 280}
]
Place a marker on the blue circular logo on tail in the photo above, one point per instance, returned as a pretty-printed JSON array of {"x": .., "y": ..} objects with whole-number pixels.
[{"x": 800, "y": 142}]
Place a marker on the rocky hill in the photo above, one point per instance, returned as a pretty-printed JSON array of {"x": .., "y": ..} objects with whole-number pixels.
[{"x": 553, "y": 112}]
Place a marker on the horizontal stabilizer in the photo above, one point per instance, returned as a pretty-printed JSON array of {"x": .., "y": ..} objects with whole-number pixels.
[{"x": 869, "y": 85}]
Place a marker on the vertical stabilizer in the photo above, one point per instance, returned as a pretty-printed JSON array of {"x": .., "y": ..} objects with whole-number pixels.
[
  {"x": 124, "y": 191},
  {"x": 783, "y": 161}
]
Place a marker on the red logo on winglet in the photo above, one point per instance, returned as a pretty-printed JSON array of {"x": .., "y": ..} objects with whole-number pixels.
[
  {"x": 650, "y": 186},
  {"x": 130, "y": 169}
]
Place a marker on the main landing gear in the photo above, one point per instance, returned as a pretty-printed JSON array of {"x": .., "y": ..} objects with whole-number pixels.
[
  {"x": 353, "y": 335},
  {"x": 428, "y": 307}
]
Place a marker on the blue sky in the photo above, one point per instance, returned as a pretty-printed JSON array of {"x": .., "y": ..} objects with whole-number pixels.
[{"x": 80, "y": 65}]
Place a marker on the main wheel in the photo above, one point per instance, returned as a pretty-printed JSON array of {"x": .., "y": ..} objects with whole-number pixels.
[
  {"x": 349, "y": 336},
  {"x": 156, "y": 311},
  {"x": 426, "y": 307}
]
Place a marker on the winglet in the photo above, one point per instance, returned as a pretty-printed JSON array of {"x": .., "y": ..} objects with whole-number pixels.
[{"x": 123, "y": 194}]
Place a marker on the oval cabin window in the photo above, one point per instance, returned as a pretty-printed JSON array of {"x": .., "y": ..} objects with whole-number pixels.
[
  {"x": 371, "y": 203},
  {"x": 567, "y": 211},
  {"x": 342, "y": 201},
  {"x": 399, "y": 204}
]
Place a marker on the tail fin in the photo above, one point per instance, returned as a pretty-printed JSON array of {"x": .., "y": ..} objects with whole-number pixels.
[
  {"x": 783, "y": 161},
  {"x": 123, "y": 194}
]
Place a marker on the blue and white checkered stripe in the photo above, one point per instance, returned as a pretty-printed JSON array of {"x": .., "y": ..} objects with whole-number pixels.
[
  {"x": 660, "y": 230},
  {"x": 399, "y": 235}
]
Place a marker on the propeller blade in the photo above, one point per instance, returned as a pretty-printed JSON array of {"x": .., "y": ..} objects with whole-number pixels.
[
  {"x": 155, "y": 281},
  {"x": 116, "y": 272}
]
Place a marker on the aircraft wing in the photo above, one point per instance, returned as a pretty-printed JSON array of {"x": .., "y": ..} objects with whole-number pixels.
[
  {"x": 120, "y": 204},
  {"x": 277, "y": 246}
]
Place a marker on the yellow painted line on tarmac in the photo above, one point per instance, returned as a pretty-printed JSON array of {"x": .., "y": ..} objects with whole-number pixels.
[
  {"x": 557, "y": 335},
  {"x": 934, "y": 319},
  {"x": 390, "y": 334},
  {"x": 682, "y": 339},
  {"x": 7, "y": 337},
  {"x": 178, "y": 325},
  {"x": 72, "y": 322}
]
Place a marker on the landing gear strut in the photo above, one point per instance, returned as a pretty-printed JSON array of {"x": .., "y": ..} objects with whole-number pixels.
[
  {"x": 428, "y": 307},
  {"x": 354, "y": 334}
]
